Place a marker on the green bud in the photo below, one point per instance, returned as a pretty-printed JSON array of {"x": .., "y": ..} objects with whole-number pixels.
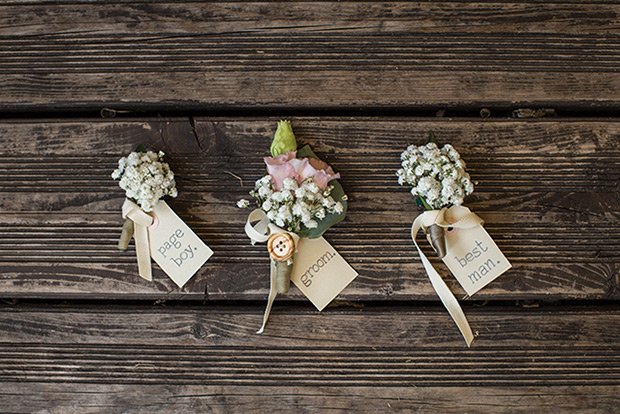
[{"x": 284, "y": 139}]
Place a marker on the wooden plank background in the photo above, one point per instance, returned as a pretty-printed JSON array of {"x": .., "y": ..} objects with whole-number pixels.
[
  {"x": 547, "y": 190},
  {"x": 353, "y": 74},
  {"x": 82, "y": 55},
  {"x": 167, "y": 359}
]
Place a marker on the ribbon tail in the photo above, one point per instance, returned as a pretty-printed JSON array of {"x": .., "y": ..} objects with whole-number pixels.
[
  {"x": 272, "y": 295},
  {"x": 442, "y": 290},
  {"x": 448, "y": 300},
  {"x": 143, "y": 252}
]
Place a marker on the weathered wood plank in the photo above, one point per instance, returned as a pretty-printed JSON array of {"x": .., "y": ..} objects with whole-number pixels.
[
  {"x": 306, "y": 54},
  {"x": 190, "y": 359},
  {"x": 547, "y": 190},
  {"x": 68, "y": 398}
]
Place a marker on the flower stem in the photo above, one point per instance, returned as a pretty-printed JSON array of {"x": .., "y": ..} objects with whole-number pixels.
[
  {"x": 283, "y": 276},
  {"x": 437, "y": 236},
  {"x": 126, "y": 235},
  {"x": 431, "y": 137},
  {"x": 424, "y": 203}
]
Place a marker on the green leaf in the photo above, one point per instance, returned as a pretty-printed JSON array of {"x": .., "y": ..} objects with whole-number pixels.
[
  {"x": 283, "y": 140},
  {"x": 337, "y": 194},
  {"x": 306, "y": 152},
  {"x": 419, "y": 201},
  {"x": 140, "y": 148}
]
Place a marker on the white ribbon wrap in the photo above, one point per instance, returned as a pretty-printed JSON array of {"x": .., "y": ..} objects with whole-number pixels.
[
  {"x": 259, "y": 233},
  {"x": 458, "y": 217},
  {"x": 141, "y": 221}
]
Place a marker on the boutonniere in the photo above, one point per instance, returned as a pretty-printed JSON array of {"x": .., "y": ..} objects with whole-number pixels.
[
  {"x": 298, "y": 200},
  {"x": 157, "y": 231},
  {"x": 440, "y": 184}
]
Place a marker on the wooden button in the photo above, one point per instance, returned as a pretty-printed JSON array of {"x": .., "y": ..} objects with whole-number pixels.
[{"x": 281, "y": 246}]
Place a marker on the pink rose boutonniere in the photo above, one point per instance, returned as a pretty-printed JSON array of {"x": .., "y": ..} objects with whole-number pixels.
[{"x": 299, "y": 197}]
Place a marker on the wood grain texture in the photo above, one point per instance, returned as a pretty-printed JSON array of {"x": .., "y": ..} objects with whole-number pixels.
[
  {"x": 547, "y": 190},
  {"x": 368, "y": 360},
  {"x": 69, "y": 398},
  {"x": 306, "y": 54}
]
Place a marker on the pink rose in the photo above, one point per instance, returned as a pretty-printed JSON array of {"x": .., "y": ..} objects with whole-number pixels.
[{"x": 288, "y": 166}]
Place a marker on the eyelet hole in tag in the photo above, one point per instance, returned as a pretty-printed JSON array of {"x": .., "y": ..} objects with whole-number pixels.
[
  {"x": 155, "y": 223},
  {"x": 451, "y": 230}
]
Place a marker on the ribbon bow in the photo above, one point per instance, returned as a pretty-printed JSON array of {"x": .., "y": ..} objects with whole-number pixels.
[
  {"x": 141, "y": 222},
  {"x": 260, "y": 232},
  {"x": 460, "y": 218}
]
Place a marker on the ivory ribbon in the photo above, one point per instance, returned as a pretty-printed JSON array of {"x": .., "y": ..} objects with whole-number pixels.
[
  {"x": 141, "y": 221},
  {"x": 260, "y": 232},
  {"x": 461, "y": 218}
]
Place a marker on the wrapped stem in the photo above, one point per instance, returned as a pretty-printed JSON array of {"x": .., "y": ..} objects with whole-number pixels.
[
  {"x": 126, "y": 235},
  {"x": 437, "y": 238},
  {"x": 283, "y": 277},
  {"x": 280, "y": 281}
]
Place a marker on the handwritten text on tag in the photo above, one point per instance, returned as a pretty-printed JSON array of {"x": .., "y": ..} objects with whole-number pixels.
[
  {"x": 320, "y": 272},
  {"x": 175, "y": 247},
  {"x": 473, "y": 258}
]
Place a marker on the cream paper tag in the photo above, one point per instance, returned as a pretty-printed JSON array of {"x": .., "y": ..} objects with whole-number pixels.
[
  {"x": 320, "y": 272},
  {"x": 473, "y": 258},
  {"x": 175, "y": 247}
]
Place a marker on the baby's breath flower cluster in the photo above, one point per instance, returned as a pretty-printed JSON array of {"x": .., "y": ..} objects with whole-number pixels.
[
  {"x": 296, "y": 205},
  {"x": 145, "y": 178},
  {"x": 437, "y": 175}
]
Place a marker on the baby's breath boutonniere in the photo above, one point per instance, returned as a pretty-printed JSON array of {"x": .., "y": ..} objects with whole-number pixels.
[
  {"x": 439, "y": 184},
  {"x": 439, "y": 180},
  {"x": 146, "y": 179}
]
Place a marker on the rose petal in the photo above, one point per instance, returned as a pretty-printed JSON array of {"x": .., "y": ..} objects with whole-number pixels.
[
  {"x": 302, "y": 168},
  {"x": 320, "y": 165},
  {"x": 281, "y": 159},
  {"x": 279, "y": 168},
  {"x": 326, "y": 169},
  {"x": 279, "y": 173},
  {"x": 287, "y": 166}
]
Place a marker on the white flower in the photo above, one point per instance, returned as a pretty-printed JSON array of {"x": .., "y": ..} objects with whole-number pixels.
[
  {"x": 264, "y": 191},
  {"x": 436, "y": 175},
  {"x": 243, "y": 203},
  {"x": 290, "y": 184},
  {"x": 312, "y": 187},
  {"x": 300, "y": 192},
  {"x": 145, "y": 178},
  {"x": 276, "y": 197},
  {"x": 311, "y": 224}
]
